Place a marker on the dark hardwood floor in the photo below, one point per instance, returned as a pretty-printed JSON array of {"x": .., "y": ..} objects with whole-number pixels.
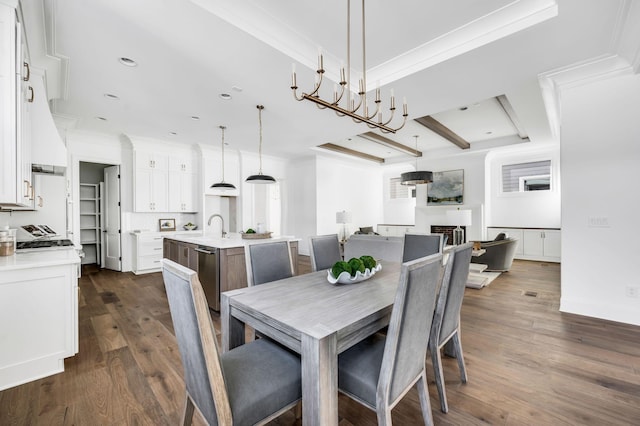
[{"x": 528, "y": 364}]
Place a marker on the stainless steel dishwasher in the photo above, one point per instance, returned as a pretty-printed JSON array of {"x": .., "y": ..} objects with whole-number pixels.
[{"x": 209, "y": 275}]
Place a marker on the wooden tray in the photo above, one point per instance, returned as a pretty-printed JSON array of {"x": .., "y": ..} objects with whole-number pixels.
[{"x": 255, "y": 236}]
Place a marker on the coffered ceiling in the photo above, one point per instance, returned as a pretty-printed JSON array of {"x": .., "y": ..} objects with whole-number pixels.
[{"x": 452, "y": 61}]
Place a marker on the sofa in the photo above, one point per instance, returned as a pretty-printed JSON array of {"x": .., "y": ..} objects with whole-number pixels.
[
  {"x": 378, "y": 246},
  {"x": 499, "y": 253}
]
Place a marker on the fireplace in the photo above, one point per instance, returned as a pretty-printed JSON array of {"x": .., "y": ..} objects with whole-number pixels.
[{"x": 448, "y": 231}]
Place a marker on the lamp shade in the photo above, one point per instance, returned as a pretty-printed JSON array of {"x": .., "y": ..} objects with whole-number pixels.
[
  {"x": 260, "y": 178},
  {"x": 459, "y": 217},
  {"x": 416, "y": 178},
  {"x": 223, "y": 185},
  {"x": 343, "y": 217}
]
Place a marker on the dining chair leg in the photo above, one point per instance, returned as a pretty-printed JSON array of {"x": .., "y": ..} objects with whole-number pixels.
[
  {"x": 425, "y": 404},
  {"x": 384, "y": 416},
  {"x": 187, "y": 416},
  {"x": 436, "y": 360},
  {"x": 457, "y": 344}
]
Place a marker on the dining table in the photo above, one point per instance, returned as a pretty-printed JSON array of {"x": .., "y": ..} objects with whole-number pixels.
[{"x": 316, "y": 319}]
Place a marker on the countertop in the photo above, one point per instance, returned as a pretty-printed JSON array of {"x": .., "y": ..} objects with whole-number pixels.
[
  {"x": 224, "y": 243},
  {"x": 38, "y": 259}
]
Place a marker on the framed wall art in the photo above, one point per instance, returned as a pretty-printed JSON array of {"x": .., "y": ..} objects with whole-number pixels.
[
  {"x": 167, "y": 225},
  {"x": 447, "y": 188}
]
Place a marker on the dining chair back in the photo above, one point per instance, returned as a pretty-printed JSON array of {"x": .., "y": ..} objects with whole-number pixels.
[
  {"x": 380, "y": 370},
  {"x": 421, "y": 245},
  {"x": 445, "y": 329},
  {"x": 325, "y": 251},
  {"x": 251, "y": 384},
  {"x": 268, "y": 262}
]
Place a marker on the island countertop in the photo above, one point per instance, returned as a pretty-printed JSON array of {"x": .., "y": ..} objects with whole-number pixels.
[{"x": 225, "y": 243}]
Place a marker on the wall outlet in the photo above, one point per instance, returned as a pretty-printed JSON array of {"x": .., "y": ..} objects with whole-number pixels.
[{"x": 632, "y": 291}]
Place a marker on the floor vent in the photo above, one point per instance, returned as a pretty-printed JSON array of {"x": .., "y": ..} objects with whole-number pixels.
[{"x": 531, "y": 293}]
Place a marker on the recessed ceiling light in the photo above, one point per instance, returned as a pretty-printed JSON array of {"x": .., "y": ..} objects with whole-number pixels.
[
  {"x": 464, "y": 108},
  {"x": 128, "y": 62},
  {"x": 237, "y": 88},
  {"x": 101, "y": 118},
  {"x": 489, "y": 133},
  {"x": 172, "y": 133},
  {"x": 111, "y": 96},
  {"x": 195, "y": 118},
  {"x": 225, "y": 96}
]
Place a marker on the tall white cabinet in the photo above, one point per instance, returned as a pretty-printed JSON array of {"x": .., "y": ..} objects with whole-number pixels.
[
  {"x": 164, "y": 181},
  {"x": 16, "y": 96}
]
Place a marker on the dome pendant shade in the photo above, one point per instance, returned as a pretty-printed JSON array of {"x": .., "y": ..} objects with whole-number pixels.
[
  {"x": 260, "y": 178},
  {"x": 416, "y": 178},
  {"x": 223, "y": 185}
]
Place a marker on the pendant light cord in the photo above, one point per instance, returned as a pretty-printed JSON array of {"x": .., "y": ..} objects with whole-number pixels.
[
  {"x": 222, "y": 128},
  {"x": 260, "y": 108},
  {"x": 416, "y": 136}
]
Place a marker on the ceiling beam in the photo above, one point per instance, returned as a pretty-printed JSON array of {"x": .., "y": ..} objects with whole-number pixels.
[
  {"x": 511, "y": 113},
  {"x": 374, "y": 137},
  {"x": 352, "y": 152},
  {"x": 440, "y": 129}
]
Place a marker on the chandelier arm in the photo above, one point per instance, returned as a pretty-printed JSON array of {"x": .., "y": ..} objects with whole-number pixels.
[
  {"x": 336, "y": 101},
  {"x": 295, "y": 94},
  {"x": 375, "y": 113}
]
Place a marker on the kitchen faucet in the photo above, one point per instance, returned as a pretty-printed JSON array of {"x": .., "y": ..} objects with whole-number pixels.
[{"x": 221, "y": 223}]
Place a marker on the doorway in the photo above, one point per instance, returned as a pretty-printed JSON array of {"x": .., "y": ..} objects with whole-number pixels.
[{"x": 99, "y": 204}]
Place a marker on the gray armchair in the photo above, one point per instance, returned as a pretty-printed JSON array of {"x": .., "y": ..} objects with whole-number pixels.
[{"x": 499, "y": 254}]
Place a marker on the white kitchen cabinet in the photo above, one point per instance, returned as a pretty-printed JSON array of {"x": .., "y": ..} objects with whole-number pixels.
[
  {"x": 16, "y": 187},
  {"x": 541, "y": 244},
  {"x": 182, "y": 184},
  {"x": 148, "y": 253},
  {"x": 534, "y": 243},
  {"x": 151, "y": 180},
  {"x": 38, "y": 314}
]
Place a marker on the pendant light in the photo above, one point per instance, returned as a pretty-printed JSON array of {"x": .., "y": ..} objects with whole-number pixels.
[
  {"x": 417, "y": 177},
  {"x": 260, "y": 178},
  {"x": 223, "y": 185}
]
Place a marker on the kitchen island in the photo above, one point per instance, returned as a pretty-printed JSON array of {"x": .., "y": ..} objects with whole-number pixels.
[
  {"x": 38, "y": 314},
  {"x": 220, "y": 262}
]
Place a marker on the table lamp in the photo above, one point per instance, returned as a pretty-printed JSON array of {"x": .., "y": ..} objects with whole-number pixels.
[
  {"x": 459, "y": 218},
  {"x": 343, "y": 218}
]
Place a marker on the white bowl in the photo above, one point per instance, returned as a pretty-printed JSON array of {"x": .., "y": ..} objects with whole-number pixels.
[{"x": 346, "y": 278}]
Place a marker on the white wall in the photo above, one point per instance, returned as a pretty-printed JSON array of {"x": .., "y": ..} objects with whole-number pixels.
[
  {"x": 399, "y": 211},
  {"x": 537, "y": 209},
  {"x": 473, "y": 164},
  {"x": 600, "y": 160},
  {"x": 301, "y": 200}
]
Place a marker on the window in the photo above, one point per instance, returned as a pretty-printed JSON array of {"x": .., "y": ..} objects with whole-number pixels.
[
  {"x": 525, "y": 177},
  {"x": 397, "y": 190}
]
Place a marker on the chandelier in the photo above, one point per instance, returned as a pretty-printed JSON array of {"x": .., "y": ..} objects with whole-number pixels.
[{"x": 358, "y": 111}]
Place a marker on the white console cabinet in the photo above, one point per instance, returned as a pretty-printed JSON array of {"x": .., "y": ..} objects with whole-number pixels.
[
  {"x": 394, "y": 230},
  {"x": 534, "y": 243}
]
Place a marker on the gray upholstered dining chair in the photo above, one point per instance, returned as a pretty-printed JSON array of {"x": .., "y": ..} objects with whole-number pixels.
[
  {"x": 268, "y": 262},
  {"x": 378, "y": 371},
  {"x": 421, "y": 245},
  {"x": 250, "y": 384},
  {"x": 446, "y": 321},
  {"x": 325, "y": 251}
]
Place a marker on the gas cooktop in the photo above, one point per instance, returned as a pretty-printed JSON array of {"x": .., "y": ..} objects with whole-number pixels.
[{"x": 43, "y": 244}]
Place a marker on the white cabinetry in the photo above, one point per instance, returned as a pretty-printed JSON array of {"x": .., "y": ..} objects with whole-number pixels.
[
  {"x": 38, "y": 315},
  {"x": 534, "y": 244},
  {"x": 394, "y": 230},
  {"x": 148, "y": 253},
  {"x": 151, "y": 180},
  {"x": 182, "y": 182},
  {"x": 90, "y": 222},
  {"x": 16, "y": 96}
]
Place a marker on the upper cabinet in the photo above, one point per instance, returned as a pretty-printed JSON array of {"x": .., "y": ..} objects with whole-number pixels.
[
  {"x": 164, "y": 182},
  {"x": 16, "y": 96}
]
